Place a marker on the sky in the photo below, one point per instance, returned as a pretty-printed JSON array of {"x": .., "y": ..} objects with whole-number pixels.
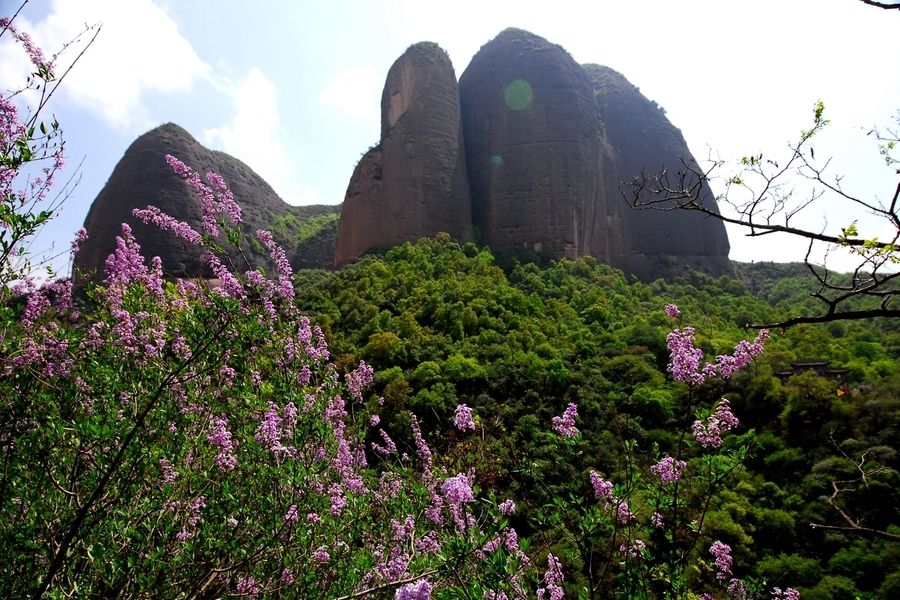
[{"x": 293, "y": 88}]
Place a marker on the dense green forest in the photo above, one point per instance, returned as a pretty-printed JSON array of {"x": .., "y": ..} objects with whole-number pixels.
[{"x": 445, "y": 323}]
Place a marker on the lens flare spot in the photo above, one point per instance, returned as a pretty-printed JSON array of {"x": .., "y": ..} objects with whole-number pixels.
[
  {"x": 497, "y": 160},
  {"x": 518, "y": 95}
]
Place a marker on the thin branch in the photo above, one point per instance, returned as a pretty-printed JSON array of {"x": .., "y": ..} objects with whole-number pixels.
[{"x": 884, "y": 5}]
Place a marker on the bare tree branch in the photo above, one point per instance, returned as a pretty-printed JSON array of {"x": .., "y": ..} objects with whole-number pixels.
[
  {"x": 884, "y": 5},
  {"x": 762, "y": 199}
]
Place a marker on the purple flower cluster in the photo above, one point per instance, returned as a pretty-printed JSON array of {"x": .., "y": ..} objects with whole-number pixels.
[
  {"x": 457, "y": 490},
  {"x": 35, "y": 54},
  {"x": 285, "y": 287},
  {"x": 722, "y": 554},
  {"x": 603, "y": 490},
  {"x": 507, "y": 507},
  {"x": 463, "y": 419},
  {"x": 359, "y": 379},
  {"x": 709, "y": 434},
  {"x": 633, "y": 550},
  {"x": 166, "y": 222},
  {"x": 564, "y": 425},
  {"x": 389, "y": 446},
  {"x": 419, "y": 590},
  {"x": 672, "y": 311},
  {"x": 321, "y": 555},
  {"x": 193, "y": 520},
  {"x": 553, "y": 580},
  {"x": 685, "y": 362},
  {"x": 275, "y": 426},
  {"x": 668, "y": 469},
  {"x": 248, "y": 587},
  {"x": 220, "y": 437},
  {"x": 215, "y": 202},
  {"x": 785, "y": 594},
  {"x": 169, "y": 474}
]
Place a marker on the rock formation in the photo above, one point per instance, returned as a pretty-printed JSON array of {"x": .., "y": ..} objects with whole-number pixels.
[
  {"x": 531, "y": 146},
  {"x": 547, "y": 143},
  {"x": 638, "y": 138},
  {"x": 142, "y": 177},
  {"x": 528, "y": 152},
  {"x": 413, "y": 183}
]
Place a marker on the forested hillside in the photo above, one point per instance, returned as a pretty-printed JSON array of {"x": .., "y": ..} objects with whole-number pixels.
[{"x": 444, "y": 324}]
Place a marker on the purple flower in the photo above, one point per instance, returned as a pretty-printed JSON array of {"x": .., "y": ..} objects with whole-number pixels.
[
  {"x": 656, "y": 519},
  {"x": 623, "y": 513},
  {"x": 428, "y": 543},
  {"x": 168, "y": 472},
  {"x": 166, "y": 222},
  {"x": 603, "y": 489},
  {"x": 786, "y": 594},
  {"x": 213, "y": 203},
  {"x": 81, "y": 236},
  {"x": 247, "y": 586},
  {"x": 709, "y": 434},
  {"x": 462, "y": 418},
  {"x": 421, "y": 447},
  {"x": 276, "y": 253},
  {"x": 457, "y": 490},
  {"x": 389, "y": 446},
  {"x": 668, "y": 469},
  {"x": 722, "y": 554},
  {"x": 220, "y": 437},
  {"x": 321, "y": 555},
  {"x": 507, "y": 507},
  {"x": 553, "y": 580},
  {"x": 634, "y": 550},
  {"x": 359, "y": 379},
  {"x": 564, "y": 425},
  {"x": 338, "y": 501},
  {"x": 685, "y": 362},
  {"x": 685, "y": 356},
  {"x": 672, "y": 311},
  {"x": 420, "y": 590},
  {"x": 291, "y": 516},
  {"x": 35, "y": 54},
  {"x": 736, "y": 589}
]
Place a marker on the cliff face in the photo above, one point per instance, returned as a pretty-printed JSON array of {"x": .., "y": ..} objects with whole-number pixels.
[
  {"x": 531, "y": 146},
  {"x": 638, "y": 138},
  {"x": 413, "y": 183},
  {"x": 528, "y": 152},
  {"x": 547, "y": 143},
  {"x": 142, "y": 177}
]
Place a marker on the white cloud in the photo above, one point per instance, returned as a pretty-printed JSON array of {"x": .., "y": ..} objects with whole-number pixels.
[
  {"x": 356, "y": 92},
  {"x": 252, "y": 136},
  {"x": 139, "y": 50}
]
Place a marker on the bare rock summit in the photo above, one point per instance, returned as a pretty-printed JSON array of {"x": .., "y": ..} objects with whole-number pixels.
[
  {"x": 142, "y": 177},
  {"x": 413, "y": 183},
  {"x": 529, "y": 152}
]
